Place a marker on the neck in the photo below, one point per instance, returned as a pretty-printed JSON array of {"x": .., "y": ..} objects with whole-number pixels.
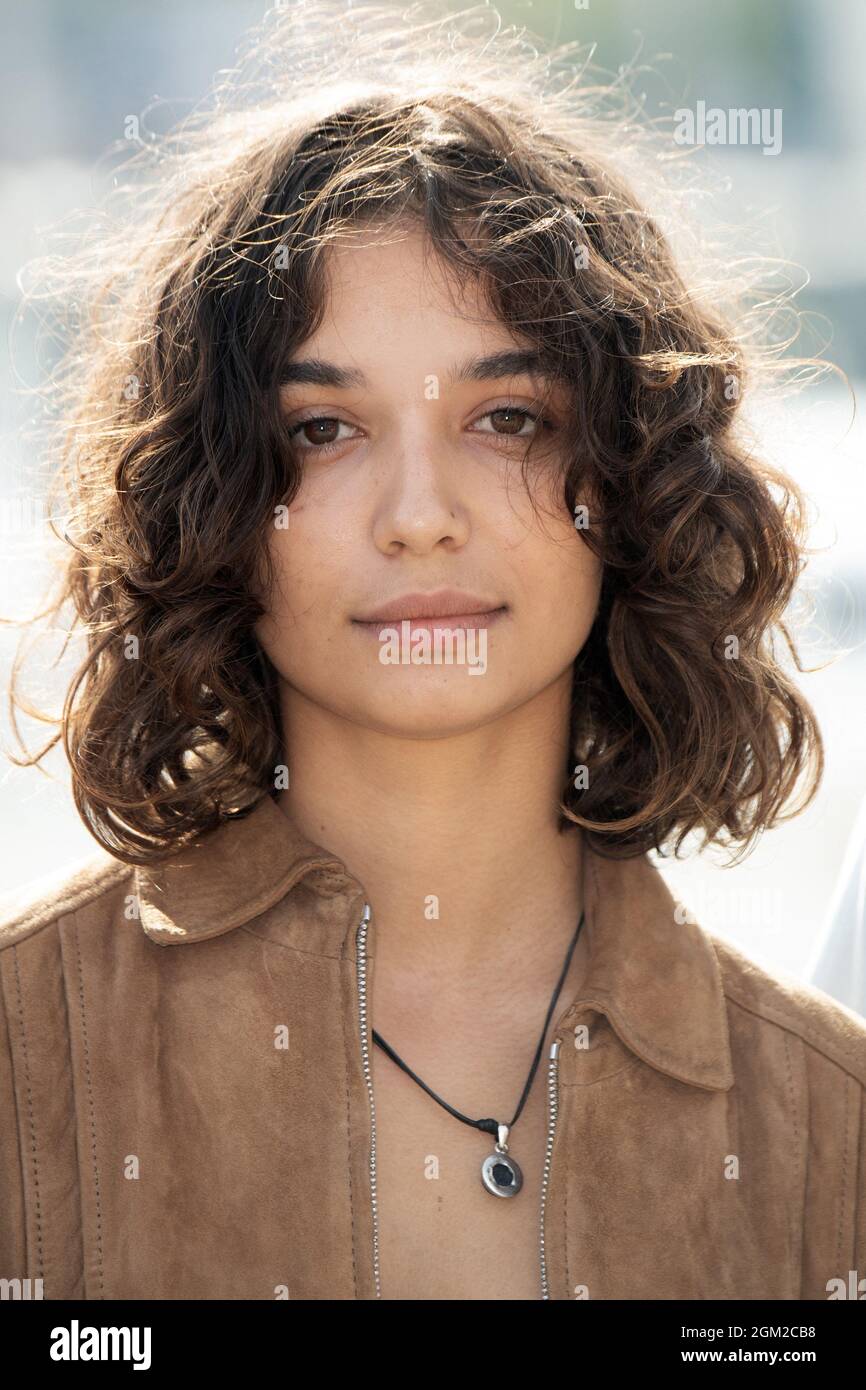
[{"x": 455, "y": 840}]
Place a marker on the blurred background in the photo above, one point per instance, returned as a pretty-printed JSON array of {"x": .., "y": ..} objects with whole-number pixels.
[{"x": 73, "y": 73}]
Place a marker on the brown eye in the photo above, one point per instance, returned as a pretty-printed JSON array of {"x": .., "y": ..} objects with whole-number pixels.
[
  {"x": 318, "y": 434},
  {"x": 321, "y": 431},
  {"x": 512, "y": 420}
]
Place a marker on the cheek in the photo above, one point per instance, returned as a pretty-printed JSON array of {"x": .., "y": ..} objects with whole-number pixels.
[
  {"x": 279, "y": 595},
  {"x": 303, "y": 597},
  {"x": 295, "y": 558},
  {"x": 568, "y": 588},
  {"x": 586, "y": 574}
]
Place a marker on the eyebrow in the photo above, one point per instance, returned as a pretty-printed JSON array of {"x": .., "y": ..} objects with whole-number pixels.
[{"x": 312, "y": 371}]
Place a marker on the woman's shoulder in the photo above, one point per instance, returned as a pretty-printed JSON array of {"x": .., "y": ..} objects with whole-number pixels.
[
  {"x": 770, "y": 1009},
  {"x": 92, "y": 887},
  {"x": 799, "y": 1064}
]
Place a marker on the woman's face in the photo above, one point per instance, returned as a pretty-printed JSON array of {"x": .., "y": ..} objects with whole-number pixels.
[{"x": 412, "y": 486}]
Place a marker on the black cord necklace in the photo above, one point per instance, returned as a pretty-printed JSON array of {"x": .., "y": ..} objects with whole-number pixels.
[{"x": 500, "y": 1173}]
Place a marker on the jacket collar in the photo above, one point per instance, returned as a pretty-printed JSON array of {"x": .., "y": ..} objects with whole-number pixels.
[
  {"x": 232, "y": 875},
  {"x": 657, "y": 979}
]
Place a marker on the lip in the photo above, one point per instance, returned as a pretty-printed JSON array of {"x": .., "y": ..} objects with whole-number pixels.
[
  {"x": 452, "y": 622},
  {"x": 435, "y": 607}
]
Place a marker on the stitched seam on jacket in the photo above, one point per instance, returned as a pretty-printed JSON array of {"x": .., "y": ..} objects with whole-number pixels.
[
  {"x": 844, "y": 1184},
  {"x": 347, "y": 1054},
  {"x": 785, "y": 1021},
  {"x": 858, "y": 1187},
  {"x": 796, "y": 1262},
  {"x": 40, "y": 1257},
  {"x": 16, "y": 1120},
  {"x": 74, "y": 1094},
  {"x": 565, "y": 1232},
  {"x": 91, "y": 1113}
]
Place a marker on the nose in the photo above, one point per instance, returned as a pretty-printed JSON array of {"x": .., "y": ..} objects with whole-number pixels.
[{"x": 423, "y": 499}]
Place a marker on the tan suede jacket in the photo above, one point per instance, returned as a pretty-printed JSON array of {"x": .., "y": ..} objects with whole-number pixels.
[{"x": 710, "y": 1142}]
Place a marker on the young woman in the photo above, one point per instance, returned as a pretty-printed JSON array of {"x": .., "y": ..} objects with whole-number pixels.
[{"x": 427, "y": 585}]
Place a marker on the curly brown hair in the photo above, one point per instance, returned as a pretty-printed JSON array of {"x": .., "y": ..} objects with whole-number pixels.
[{"x": 175, "y": 452}]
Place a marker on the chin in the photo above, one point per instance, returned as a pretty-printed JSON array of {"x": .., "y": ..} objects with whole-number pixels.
[{"x": 437, "y": 717}]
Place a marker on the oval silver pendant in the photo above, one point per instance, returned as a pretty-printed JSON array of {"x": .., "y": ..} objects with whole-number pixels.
[{"x": 501, "y": 1175}]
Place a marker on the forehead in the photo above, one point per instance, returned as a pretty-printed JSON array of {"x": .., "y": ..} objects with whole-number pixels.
[
  {"x": 397, "y": 268},
  {"x": 392, "y": 301}
]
